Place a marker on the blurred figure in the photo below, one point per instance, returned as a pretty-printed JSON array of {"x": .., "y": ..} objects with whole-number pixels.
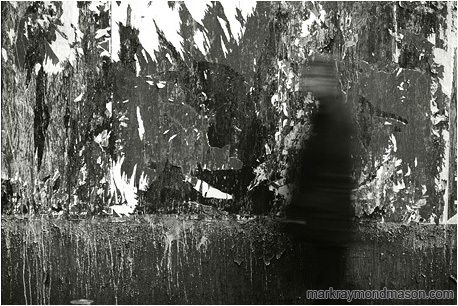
[{"x": 320, "y": 211}]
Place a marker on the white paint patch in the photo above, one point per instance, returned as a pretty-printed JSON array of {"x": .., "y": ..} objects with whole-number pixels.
[
  {"x": 399, "y": 186},
  {"x": 285, "y": 109},
  {"x": 452, "y": 220},
  {"x": 4, "y": 55},
  {"x": 394, "y": 143},
  {"x": 284, "y": 191},
  {"x": 423, "y": 189},
  {"x": 300, "y": 114},
  {"x": 102, "y": 33},
  {"x": 408, "y": 171},
  {"x": 37, "y": 68},
  {"x": 378, "y": 185},
  {"x": 260, "y": 175},
  {"x": 207, "y": 190},
  {"x": 141, "y": 129},
  {"x": 121, "y": 210},
  {"x": 79, "y": 98},
  {"x": 223, "y": 25},
  {"x": 274, "y": 99},
  {"x": 144, "y": 17},
  {"x": 138, "y": 69},
  {"x": 59, "y": 50},
  {"x": 230, "y": 9},
  {"x": 143, "y": 182},
  {"x": 201, "y": 41},
  {"x": 120, "y": 183},
  {"x": 172, "y": 137},
  {"x": 285, "y": 122},
  {"x": 223, "y": 46},
  {"x": 197, "y": 9},
  {"x": 445, "y": 58},
  {"x": 93, "y": 6},
  {"x": 169, "y": 58},
  {"x": 102, "y": 138},
  {"x": 11, "y": 35},
  {"x": 313, "y": 18},
  {"x": 109, "y": 109},
  {"x": 117, "y": 15},
  {"x": 268, "y": 151}
]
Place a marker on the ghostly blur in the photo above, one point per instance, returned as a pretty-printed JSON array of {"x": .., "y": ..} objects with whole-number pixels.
[{"x": 320, "y": 211}]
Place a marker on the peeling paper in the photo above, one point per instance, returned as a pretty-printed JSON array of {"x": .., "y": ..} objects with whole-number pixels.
[
  {"x": 144, "y": 17},
  {"x": 207, "y": 190},
  {"x": 138, "y": 69},
  {"x": 399, "y": 186},
  {"x": 143, "y": 182},
  {"x": 268, "y": 151},
  {"x": 230, "y": 7},
  {"x": 222, "y": 23},
  {"x": 393, "y": 141},
  {"x": 120, "y": 183},
  {"x": 4, "y": 55},
  {"x": 201, "y": 41},
  {"x": 423, "y": 189},
  {"x": 109, "y": 109},
  {"x": 223, "y": 46},
  {"x": 59, "y": 50},
  {"x": 102, "y": 138},
  {"x": 260, "y": 176},
  {"x": 172, "y": 137},
  {"x": 313, "y": 18},
  {"x": 197, "y": 9},
  {"x": 141, "y": 129},
  {"x": 79, "y": 98},
  {"x": 408, "y": 171}
]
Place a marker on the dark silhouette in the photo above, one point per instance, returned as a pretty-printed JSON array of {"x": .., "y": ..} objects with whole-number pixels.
[{"x": 320, "y": 211}]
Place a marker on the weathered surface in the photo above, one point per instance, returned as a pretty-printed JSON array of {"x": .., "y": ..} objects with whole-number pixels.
[
  {"x": 177, "y": 260},
  {"x": 143, "y": 102}
]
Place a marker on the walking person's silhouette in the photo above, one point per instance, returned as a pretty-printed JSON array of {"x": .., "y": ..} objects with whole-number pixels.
[{"x": 320, "y": 210}]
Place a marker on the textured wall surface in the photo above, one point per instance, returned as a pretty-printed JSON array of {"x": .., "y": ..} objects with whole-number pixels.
[
  {"x": 156, "y": 104},
  {"x": 162, "y": 260},
  {"x": 195, "y": 109}
]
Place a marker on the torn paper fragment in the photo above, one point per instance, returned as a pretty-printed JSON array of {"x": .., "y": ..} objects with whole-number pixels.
[
  {"x": 79, "y": 98},
  {"x": 141, "y": 129},
  {"x": 207, "y": 190}
]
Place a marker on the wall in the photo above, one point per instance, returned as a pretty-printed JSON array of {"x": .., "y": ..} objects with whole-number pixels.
[
  {"x": 191, "y": 260},
  {"x": 126, "y": 111}
]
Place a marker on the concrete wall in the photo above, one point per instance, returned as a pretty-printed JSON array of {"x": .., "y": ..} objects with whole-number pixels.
[{"x": 182, "y": 260}]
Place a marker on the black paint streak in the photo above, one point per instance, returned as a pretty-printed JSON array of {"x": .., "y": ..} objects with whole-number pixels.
[
  {"x": 373, "y": 110},
  {"x": 41, "y": 117}
]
